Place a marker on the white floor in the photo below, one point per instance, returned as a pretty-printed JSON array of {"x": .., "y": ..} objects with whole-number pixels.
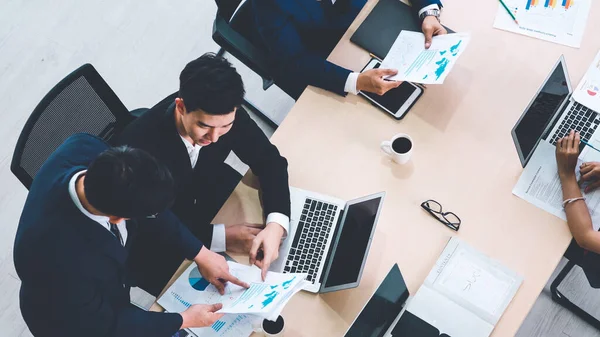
[{"x": 139, "y": 47}]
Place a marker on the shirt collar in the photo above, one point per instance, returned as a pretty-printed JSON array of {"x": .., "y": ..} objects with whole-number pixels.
[{"x": 102, "y": 220}]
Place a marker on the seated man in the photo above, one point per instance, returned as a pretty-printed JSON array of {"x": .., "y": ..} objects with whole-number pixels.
[
  {"x": 83, "y": 213},
  {"x": 199, "y": 133},
  {"x": 301, "y": 34},
  {"x": 578, "y": 215}
]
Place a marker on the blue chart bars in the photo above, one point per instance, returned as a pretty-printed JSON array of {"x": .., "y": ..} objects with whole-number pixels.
[{"x": 218, "y": 325}]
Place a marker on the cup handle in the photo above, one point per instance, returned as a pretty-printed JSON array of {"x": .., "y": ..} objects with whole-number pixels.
[{"x": 386, "y": 146}]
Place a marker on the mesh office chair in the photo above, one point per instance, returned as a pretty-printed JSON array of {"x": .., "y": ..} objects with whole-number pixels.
[
  {"x": 81, "y": 102},
  {"x": 590, "y": 264}
]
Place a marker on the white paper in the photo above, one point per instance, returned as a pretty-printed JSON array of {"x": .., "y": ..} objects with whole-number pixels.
[
  {"x": 588, "y": 90},
  {"x": 540, "y": 185},
  {"x": 190, "y": 288},
  {"x": 558, "y": 21},
  {"x": 419, "y": 65}
]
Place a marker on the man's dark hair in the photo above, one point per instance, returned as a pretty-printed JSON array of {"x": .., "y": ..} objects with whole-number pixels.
[
  {"x": 212, "y": 84},
  {"x": 128, "y": 183}
]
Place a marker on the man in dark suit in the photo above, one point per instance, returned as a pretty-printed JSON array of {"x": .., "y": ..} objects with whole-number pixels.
[
  {"x": 84, "y": 210},
  {"x": 206, "y": 139},
  {"x": 301, "y": 34}
]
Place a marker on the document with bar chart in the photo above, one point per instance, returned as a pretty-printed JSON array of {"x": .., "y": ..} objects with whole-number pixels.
[{"x": 558, "y": 21}]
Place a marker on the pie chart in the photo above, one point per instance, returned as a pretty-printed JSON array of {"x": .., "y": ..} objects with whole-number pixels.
[{"x": 196, "y": 280}]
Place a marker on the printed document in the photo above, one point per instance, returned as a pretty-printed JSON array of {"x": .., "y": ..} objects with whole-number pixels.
[
  {"x": 244, "y": 308},
  {"x": 588, "y": 90},
  {"x": 558, "y": 21},
  {"x": 466, "y": 293},
  {"x": 419, "y": 65},
  {"x": 539, "y": 183}
]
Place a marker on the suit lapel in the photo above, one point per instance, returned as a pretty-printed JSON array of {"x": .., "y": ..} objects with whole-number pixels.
[{"x": 173, "y": 148}]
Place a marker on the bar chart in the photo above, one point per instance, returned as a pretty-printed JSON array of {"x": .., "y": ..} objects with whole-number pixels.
[{"x": 566, "y": 4}]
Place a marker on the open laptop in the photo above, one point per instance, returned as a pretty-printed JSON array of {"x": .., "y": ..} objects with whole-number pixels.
[
  {"x": 329, "y": 239},
  {"x": 552, "y": 114},
  {"x": 384, "y": 314}
]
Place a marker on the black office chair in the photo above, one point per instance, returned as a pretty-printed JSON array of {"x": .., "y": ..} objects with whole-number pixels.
[
  {"x": 235, "y": 31},
  {"x": 590, "y": 264},
  {"x": 80, "y": 102}
]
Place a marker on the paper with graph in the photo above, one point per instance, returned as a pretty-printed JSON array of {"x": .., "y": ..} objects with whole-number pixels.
[
  {"x": 243, "y": 307},
  {"x": 419, "y": 65},
  {"x": 559, "y": 21},
  {"x": 588, "y": 90}
]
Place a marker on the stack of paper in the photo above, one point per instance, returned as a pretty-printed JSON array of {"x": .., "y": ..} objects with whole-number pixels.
[
  {"x": 243, "y": 307},
  {"x": 419, "y": 65}
]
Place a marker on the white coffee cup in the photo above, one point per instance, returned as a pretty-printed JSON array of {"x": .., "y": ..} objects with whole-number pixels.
[
  {"x": 400, "y": 148},
  {"x": 271, "y": 328}
]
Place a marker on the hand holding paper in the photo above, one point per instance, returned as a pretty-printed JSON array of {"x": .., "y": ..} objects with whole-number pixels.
[{"x": 419, "y": 65}]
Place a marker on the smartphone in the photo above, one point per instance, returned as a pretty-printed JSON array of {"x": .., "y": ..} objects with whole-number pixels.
[{"x": 397, "y": 101}]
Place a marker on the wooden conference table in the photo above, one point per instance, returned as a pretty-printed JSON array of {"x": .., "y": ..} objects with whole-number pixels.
[{"x": 463, "y": 157}]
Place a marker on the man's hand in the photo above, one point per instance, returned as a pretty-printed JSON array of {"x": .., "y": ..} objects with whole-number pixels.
[
  {"x": 267, "y": 243},
  {"x": 567, "y": 151},
  {"x": 201, "y": 315},
  {"x": 372, "y": 81},
  {"x": 214, "y": 269},
  {"x": 432, "y": 27},
  {"x": 590, "y": 172},
  {"x": 239, "y": 237}
]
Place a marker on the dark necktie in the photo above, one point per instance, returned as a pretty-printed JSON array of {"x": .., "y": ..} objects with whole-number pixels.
[{"x": 115, "y": 230}]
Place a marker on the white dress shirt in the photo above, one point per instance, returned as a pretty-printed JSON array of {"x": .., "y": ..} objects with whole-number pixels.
[
  {"x": 218, "y": 241},
  {"x": 102, "y": 220},
  {"x": 350, "y": 86}
]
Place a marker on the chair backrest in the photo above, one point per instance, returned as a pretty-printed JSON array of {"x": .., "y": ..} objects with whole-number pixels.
[
  {"x": 227, "y": 8},
  {"x": 81, "y": 102}
]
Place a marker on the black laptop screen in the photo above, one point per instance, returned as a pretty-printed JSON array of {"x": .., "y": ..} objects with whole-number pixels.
[
  {"x": 534, "y": 121},
  {"x": 353, "y": 242},
  {"x": 382, "y": 309}
]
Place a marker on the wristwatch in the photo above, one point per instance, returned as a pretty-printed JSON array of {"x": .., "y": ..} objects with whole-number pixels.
[{"x": 430, "y": 12}]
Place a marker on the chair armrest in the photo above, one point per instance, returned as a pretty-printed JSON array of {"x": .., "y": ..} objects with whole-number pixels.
[{"x": 242, "y": 49}]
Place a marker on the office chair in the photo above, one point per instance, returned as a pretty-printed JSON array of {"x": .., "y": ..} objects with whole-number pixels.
[
  {"x": 235, "y": 32},
  {"x": 590, "y": 264},
  {"x": 80, "y": 102}
]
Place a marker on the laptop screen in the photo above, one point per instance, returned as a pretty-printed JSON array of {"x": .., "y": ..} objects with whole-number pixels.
[
  {"x": 538, "y": 115},
  {"x": 383, "y": 307},
  {"x": 349, "y": 252}
]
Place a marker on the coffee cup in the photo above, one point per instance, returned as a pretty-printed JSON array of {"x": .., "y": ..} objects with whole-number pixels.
[
  {"x": 271, "y": 328},
  {"x": 399, "y": 148}
]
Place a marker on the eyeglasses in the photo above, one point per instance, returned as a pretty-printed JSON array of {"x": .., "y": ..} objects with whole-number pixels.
[{"x": 447, "y": 218}]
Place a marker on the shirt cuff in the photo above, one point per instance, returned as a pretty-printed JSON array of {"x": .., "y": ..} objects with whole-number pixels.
[
  {"x": 434, "y": 6},
  {"x": 350, "y": 86},
  {"x": 282, "y": 219},
  {"x": 218, "y": 242}
]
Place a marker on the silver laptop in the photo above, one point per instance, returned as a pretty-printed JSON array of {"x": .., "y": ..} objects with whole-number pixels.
[
  {"x": 552, "y": 114},
  {"x": 329, "y": 239}
]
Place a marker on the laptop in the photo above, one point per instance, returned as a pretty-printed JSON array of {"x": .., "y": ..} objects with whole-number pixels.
[
  {"x": 384, "y": 315},
  {"x": 378, "y": 32},
  {"x": 329, "y": 239},
  {"x": 552, "y": 114}
]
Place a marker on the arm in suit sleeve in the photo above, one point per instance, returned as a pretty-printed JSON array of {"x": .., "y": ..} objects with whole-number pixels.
[
  {"x": 252, "y": 146},
  {"x": 283, "y": 40},
  {"x": 169, "y": 228},
  {"x": 418, "y": 4},
  {"x": 84, "y": 307}
]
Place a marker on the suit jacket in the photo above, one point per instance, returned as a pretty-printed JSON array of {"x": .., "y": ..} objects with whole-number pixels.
[
  {"x": 301, "y": 34},
  {"x": 202, "y": 191},
  {"x": 74, "y": 275}
]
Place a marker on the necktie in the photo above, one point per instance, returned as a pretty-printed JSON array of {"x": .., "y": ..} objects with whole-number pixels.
[{"x": 115, "y": 230}]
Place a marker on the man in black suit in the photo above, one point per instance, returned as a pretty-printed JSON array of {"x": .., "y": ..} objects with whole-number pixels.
[
  {"x": 300, "y": 34},
  {"x": 84, "y": 211},
  {"x": 203, "y": 135}
]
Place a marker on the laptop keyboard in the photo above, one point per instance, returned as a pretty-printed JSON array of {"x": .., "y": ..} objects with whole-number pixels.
[
  {"x": 579, "y": 118},
  {"x": 312, "y": 235}
]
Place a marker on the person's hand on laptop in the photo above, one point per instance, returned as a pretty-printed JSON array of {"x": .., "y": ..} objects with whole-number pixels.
[
  {"x": 214, "y": 268},
  {"x": 240, "y": 237},
  {"x": 265, "y": 248},
  {"x": 200, "y": 315},
  {"x": 590, "y": 173},
  {"x": 432, "y": 27},
  {"x": 373, "y": 81},
  {"x": 567, "y": 151}
]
